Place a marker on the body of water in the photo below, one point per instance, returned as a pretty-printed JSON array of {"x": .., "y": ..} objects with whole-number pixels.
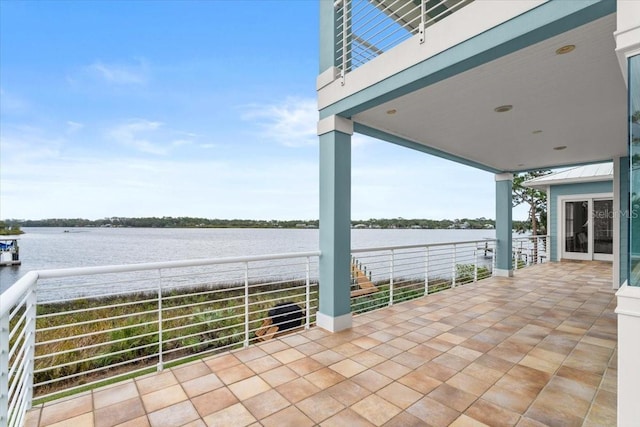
[{"x": 50, "y": 248}]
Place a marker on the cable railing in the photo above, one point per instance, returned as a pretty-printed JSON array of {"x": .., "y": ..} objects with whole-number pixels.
[
  {"x": 64, "y": 331},
  {"x": 367, "y": 28},
  {"x": 384, "y": 276}
]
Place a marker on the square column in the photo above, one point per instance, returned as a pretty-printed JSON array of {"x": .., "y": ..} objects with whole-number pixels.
[
  {"x": 334, "y": 312},
  {"x": 504, "y": 225},
  {"x": 621, "y": 205}
]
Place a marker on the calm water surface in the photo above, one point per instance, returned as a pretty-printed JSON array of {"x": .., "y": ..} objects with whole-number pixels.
[{"x": 48, "y": 248}]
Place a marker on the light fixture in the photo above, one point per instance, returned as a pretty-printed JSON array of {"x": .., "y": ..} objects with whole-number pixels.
[
  {"x": 503, "y": 108},
  {"x": 536, "y": 132},
  {"x": 560, "y": 147},
  {"x": 565, "y": 49},
  {"x": 392, "y": 111},
  {"x": 520, "y": 165}
]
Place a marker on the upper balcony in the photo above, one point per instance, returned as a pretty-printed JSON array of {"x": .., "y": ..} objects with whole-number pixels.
[{"x": 501, "y": 86}]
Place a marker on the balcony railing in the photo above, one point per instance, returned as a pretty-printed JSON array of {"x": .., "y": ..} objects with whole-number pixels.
[
  {"x": 62, "y": 331},
  {"x": 368, "y": 28}
]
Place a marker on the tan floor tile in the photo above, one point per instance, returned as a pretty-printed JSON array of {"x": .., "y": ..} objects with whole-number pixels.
[
  {"x": 213, "y": 401},
  {"x": 348, "y": 368},
  {"x": 465, "y": 353},
  {"x": 491, "y": 414},
  {"x": 297, "y": 390},
  {"x": 366, "y": 342},
  {"x": 453, "y": 397},
  {"x": 386, "y": 351},
  {"x": 119, "y": 413},
  {"x": 305, "y": 366},
  {"x": 375, "y": 409},
  {"x": 56, "y": 412},
  {"x": 273, "y": 346},
  {"x": 174, "y": 415},
  {"x": 399, "y": 395},
  {"x": 324, "y": 378},
  {"x": 405, "y": 419},
  {"x": 437, "y": 371},
  {"x": 451, "y": 338},
  {"x": 540, "y": 364},
  {"x": 310, "y": 348},
  {"x": 156, "y": 381},
  {"x": 163, "y": 398},
  {"x": 33, "y": 417},
  {"x": 371, "y": 380},
  {"x": 328, "y": 357},
  {"x": 221, "y": 362},
  {"x": 199, "y": 423},
  {"x": 289, "y": 355},
  {"x": 425, "y": 352},
  {"x": 250, "y": 353},
  {"x": 263, "y": 364},
  {"x": 111, "y": 395},
  {"x": 469, "y": 384},
  {"x": 84, "y": 420},
  {"x": 391, "y": 369},
  {"x": 235, "y": 415},
  {"x": 201, "y": 385},
  {"x": 186, "y": 372},
  {"x": 347, "y": 417},
  {"x": 265, "y": 404},
  {"x": 142, "y": 421},
  {"x": 368, "y": 358},
  {"x": 420, "y": 381},
  {"x": 347, "y": 349},
  {"x": 409, "y": 360},
  {"x": 248, "y": 388},
  {"x": 278, "y": 376},
  {"x": 320, "y": 406},
  {"x": 289, "y": 417},
  {"x": 348, "y": 392},
  {"x": 514, "y": 399},
  {"x": 294, "y": 340},
  {"x": 435, "y": 412},
  {"x": 235, "y": 374},
  {"x": 466, "y": 421}
]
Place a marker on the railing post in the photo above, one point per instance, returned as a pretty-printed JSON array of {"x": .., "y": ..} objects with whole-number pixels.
[
  {"x": 4, "y": 369},
  {"x": 423, "y": 12},
  {"x": 493, "y": 259},
  {"x": 32, "y": 304},
  {"x": 391, "y": 267},
  {"x": 453, "y": 266},
  {"x": 160, "y": 366},
  {"x": 426, "y": 271},
  {"x": 308, "y": 294},
  {"x": 475, "y": 265},
  {"x": 246, "y": 304}
]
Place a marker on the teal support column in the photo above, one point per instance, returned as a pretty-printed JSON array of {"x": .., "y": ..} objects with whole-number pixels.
[
  {"x": 334, "y": 312},
  {"x": 504, "y": 225}
]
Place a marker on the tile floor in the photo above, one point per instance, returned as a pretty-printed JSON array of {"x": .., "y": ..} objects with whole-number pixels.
[{"x": 537, "y": 349}]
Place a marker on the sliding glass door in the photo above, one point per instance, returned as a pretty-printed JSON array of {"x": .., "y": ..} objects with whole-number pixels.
[{"x": 588, "y": 229}]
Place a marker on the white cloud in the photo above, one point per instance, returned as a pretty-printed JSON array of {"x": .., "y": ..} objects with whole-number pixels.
[
  {"x": 73, "y": 127},
  {"x": 134, "y": 134},
  {"x": 120, "y": 74},
  {"x": 291, "y": 123},
  {"x": 12, "y": 103}
]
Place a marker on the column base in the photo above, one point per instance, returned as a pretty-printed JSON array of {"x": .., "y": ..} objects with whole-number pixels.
[
  {"x": 628, "y": 311},
  {"x": 334, "y": 324},
  {"x": 502, "y": 273}
]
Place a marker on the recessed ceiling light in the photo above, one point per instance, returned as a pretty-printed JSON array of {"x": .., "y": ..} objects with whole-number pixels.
[
  {"x": 503, "y": 108},
  {"x": 560, "y": 147},
  {"x": 537, "y": 131},
  {"x": 392, "y": 111},
  {"x": 565, "y": 49},
  {"x": 520, "y": 164}
]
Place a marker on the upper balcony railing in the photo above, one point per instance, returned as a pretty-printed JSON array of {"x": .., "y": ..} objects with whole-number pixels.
[
  {"x": 62, "y": 331},
  {"x": 368, "y": 28}
]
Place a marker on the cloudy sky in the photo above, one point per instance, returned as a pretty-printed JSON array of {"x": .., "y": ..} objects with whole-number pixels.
[{"x": 206, "y": 108}]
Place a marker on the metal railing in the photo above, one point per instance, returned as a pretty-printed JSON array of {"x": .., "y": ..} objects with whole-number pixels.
[
  {"x": 70, "y": 329},
  {"x": 368, "y": 28},
  {"x": 529, "y": 250},
  {"x": 65, "y": 330},
  {"x": 399, "y": 273}
]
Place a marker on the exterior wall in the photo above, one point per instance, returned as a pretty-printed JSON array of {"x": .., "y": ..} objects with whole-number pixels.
[{"x": 563, "y": 190}]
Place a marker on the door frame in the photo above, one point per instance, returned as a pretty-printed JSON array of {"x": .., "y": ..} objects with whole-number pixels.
[{"x": 560, "y": 221}]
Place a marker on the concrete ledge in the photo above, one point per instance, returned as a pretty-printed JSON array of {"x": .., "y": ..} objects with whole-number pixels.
[
  {"x": 327, "y": 77},
  {"x": 335, "y": 123},
  {"x": 334, "y": 324}
]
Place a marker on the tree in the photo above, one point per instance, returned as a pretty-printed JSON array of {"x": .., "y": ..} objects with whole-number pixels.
[{"x": 536, "y": 199}]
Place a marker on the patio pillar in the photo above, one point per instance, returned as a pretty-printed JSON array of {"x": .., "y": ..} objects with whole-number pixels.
[
  {"x": 334, "y": 312},
  {"x": 504, "y": 226}
]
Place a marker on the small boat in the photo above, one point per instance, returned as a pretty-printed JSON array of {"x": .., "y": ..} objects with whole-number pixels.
[{"x": 9, "y": 251}]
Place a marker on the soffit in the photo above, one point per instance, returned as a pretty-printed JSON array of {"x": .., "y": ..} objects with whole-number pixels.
[{"x": 577, "y": 100}]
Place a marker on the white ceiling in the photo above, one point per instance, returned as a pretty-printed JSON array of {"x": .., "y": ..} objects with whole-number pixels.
[{"x": 577, "y": 100}]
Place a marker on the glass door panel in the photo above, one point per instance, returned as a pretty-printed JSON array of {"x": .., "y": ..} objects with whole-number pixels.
[
  {"x": 603, "y": 227},
  {"x": 576, "y": 226}
]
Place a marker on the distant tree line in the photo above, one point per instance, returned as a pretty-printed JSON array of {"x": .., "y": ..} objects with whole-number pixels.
[{"x": 191, "y": 222}]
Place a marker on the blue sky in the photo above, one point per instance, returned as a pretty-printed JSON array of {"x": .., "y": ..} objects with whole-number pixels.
[{"x": 205, "y": 108}]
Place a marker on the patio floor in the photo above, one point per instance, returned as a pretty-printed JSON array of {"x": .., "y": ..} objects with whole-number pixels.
[{"x": 536, "y": 349}]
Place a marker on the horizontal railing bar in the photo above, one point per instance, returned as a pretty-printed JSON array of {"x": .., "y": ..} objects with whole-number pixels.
[
  {"x": 96, "y": 308},
  {"x": 89, "y": 322},
  {"x": 429, "y": 245}
]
